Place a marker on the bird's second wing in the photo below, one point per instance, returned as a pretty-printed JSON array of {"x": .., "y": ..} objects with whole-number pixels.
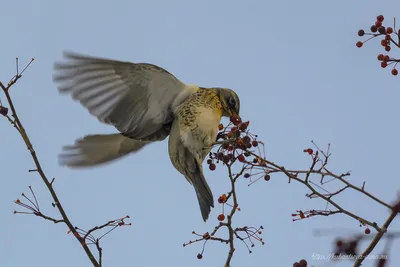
[{"x": 135, "y": 98}]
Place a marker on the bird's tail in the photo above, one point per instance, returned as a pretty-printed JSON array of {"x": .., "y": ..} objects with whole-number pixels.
[
  {"x": 203, "y": 192},
  {"x": 93, "y": 150}
]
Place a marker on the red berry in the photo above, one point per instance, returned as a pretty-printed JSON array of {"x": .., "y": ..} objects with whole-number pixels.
[
  {"x": 383, "y": 64},
  {"x": 386, "y": 58},
  {"x": 242, "y": 126},
  {"x": 367, "y": 231},
  {"x": 267, "y": 177},
  {"x": 387, "y": 48},
  {"x": 380, "y": 57},
  {"x": 309, "y": 151},
  {"x": 241, "y": 158},
  {"x": 235, "y": 119},
  {"x": 361, "y": 32},
  {"x": 246, "y": 175},
  {"x": 3, "y": 111},
  {"x": 199, "y": 256},
  {"x": 221, "y": 217},
  {"x": 395, "y": 72},
  {"x": 387, "y": 37},
  {"x": 384, "y": 42},
  {"x": 220, "y": 127},
  {"x": 209, "y": 161},
  {"x": 382, "y": 30},
  {"x": 220, "y": 200},
  {"x": 380, "y": 18},
  {"x": 212, "y": 167},
  {"x": 359, "y": 44},
  {"x": 303, "y": 263},
  {"x": 374, "y": 28},
  {"x": 378, "y": 24},
  {"x": 254, "y": 143},
  {"x": 389, "y": 30}
]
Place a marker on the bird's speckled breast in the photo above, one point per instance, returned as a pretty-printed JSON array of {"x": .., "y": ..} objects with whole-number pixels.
[{"x": 199, "y": 117}]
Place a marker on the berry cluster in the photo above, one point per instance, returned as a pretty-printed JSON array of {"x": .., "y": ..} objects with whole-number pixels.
[
  {"x": 348, "y": 248},
  {"x": 236, "y": 143},
  {"x": 389, "y": 35},
  {"x": 301, "y": 263}
]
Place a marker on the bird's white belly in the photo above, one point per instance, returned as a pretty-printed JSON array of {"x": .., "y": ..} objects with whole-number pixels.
[{"x": 200, "y": 136}]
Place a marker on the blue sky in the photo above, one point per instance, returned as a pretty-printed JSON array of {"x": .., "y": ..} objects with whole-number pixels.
[{"x": 299, "y": 75}]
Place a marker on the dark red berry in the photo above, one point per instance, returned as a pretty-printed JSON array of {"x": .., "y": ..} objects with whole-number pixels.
[
  {"x": 361, "y": 32},
  {"x": 309, "y": 151},
  {"x": 199, "y": 256},
  {"x": 381, "y": 262},
  {"x": 387, "y": 37},
  {"x": 246, "y": 139},
  {"x": 241, "y": 158},
  {"x": 387, "y": 48},
  {"x": 246, "y": 175},
  {"x": 382, "y": 30},
  {"x": 226, "y": 158},
  {"x": 254, "y": 143},
  {"x": 389, "y": 30},
  {"x": 296, "y": 264},
  {"x": 359, "y": 44},
  {"x": 383, "y": 64},
  {"x": 339, "y": 243},
  {"x": 380, "y": 57},
  {"x": 384, "y": 42},
  {"x": 367, "y": 231},
  {"x": 209, "y": 161},
  {"x": 221, "y": 217},
  {"x": 378, "y": 24},
  {"x": 243, "y": 126},
  {"x": 212, "y": 167},
  {"x": 380, "y": 18},
  {"x": 267, "y": 177},
  {"x": 3, "y": 111},
  {"x": 386, "y": 58},
  {"x": 303, "y": 263},
  {"x": 374, "y": 28},
  {"x": 395, "y": 72}
]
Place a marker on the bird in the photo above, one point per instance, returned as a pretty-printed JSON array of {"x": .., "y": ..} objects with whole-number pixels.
[{"x": 146, "y": 104}]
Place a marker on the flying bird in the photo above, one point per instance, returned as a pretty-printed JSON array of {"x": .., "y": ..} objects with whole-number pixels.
[{"x": 145, "y": 103}]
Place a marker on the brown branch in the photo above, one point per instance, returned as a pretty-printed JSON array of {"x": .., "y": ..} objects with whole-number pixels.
[
  {"x": 376, "y": 239},
  {"x": 39, "y": 169}
]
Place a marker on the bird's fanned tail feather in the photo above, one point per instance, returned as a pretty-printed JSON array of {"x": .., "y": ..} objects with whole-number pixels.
[{"x": 93, "y": 150}]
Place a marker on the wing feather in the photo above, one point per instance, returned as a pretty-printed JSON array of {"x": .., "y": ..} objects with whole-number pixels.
[{"x": 137, "y": 98}]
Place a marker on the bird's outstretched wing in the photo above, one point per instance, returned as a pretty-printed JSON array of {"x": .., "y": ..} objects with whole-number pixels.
[{"x": 134, "y": 97}]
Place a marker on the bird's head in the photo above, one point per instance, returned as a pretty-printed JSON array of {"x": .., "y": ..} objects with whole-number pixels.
[{"x": 230, "y": 102}]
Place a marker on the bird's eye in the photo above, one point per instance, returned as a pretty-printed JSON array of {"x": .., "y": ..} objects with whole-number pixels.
[{"x": 232, "y": 102}]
